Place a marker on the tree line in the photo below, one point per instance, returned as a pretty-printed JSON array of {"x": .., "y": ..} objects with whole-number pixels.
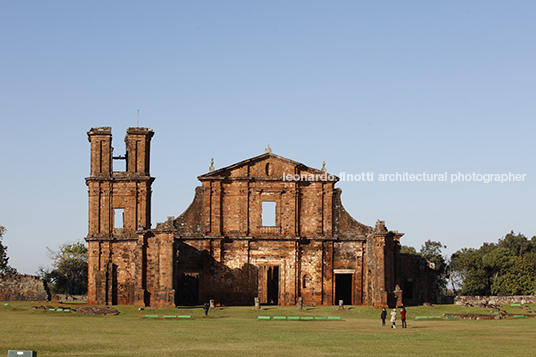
[{"x": 507, "y": 267}]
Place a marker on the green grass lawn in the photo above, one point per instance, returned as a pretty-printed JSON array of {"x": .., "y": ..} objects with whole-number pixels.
[{"x": 236, "y": 331}]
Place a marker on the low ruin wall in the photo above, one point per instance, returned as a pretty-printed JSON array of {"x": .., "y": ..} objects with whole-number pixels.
[
  {"x": 495, "y": 300},
  {"x": 23, "y": 288},
  {"x": 69, "y": 298}
]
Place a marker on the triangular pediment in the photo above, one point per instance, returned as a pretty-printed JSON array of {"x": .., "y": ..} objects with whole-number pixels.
[{"x": 267, "y": 166}]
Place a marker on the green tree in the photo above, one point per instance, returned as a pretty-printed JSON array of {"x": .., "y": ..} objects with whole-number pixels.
[
  {"x": 467, "y": 266},
  {"x": 532, "y": 244},
  {"x": 518, "y": 278},
  {"x": 459, "y": 268},
  {"x": 5, "y": 268},
  {"x": 505, "y": 268},
  {"x": 497, "y": 261},
  {"x": 517, "y": 244},
  {"x": 69, "y": 275},
  {"x": 433, "y": 252}
]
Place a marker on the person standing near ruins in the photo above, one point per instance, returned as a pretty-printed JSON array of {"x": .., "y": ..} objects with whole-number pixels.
[
  {"x": 403, "y": 317},
  {"x": 393, "y": 318},
  {"x": 205, "y": 308},
  {"x": 383, "y": 316}
]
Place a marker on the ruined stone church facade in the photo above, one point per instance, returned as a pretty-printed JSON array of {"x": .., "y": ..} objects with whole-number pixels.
[{"x": 265, "y": 227}]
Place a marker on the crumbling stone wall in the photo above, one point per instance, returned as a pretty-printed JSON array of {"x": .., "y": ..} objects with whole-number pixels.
[
  {"x": 495, "y": 300},
  {"x": 23, "y": 288},
  {"x": 417, "y": 280},
  {"x": 67, "y": 297}
]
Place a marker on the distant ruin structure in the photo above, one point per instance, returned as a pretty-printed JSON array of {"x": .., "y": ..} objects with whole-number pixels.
[{"x": 266, "y": 227}]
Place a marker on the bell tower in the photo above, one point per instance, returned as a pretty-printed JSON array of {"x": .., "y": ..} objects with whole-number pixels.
[{"x": 119, "y": 204}]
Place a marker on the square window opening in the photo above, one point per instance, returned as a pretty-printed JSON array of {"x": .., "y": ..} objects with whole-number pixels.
[{"x": 268, "y": 213}]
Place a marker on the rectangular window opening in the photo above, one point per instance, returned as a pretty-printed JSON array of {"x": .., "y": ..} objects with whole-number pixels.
[
  {"x": 268, "y": 213},
  {"x": 119, "y": 217}
]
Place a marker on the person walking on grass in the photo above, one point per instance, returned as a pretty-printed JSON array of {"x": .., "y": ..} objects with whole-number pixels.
[
  {"x": 383, "y": 316},
  {"x": 205, "y": 308},
  {"x": 393, "y": 318},
  {"x": 403, "y": 317}
]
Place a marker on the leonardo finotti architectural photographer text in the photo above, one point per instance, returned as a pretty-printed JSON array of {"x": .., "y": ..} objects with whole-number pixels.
[{"x": 410, "y": 177}]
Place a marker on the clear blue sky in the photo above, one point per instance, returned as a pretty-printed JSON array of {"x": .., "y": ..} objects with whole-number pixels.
[{"x": 367, "y": 86}]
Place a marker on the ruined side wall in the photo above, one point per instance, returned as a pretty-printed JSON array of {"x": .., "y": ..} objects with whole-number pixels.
[
  {"x": 416, "y": 280},
  {"x": 345, "y": 226},
  {"x": 191, "y": 222},
  {"x": 23, "y": 288}
]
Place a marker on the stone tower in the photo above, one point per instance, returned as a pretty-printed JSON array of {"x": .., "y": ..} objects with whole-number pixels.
[{"x": 119, "y": 205}]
